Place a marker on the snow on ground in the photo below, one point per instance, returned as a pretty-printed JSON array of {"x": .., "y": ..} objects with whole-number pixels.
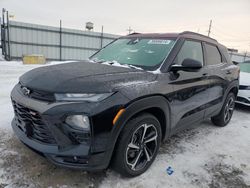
[
  {"x": 9, "y": 74},
  {"x": 206, "y": 156}
]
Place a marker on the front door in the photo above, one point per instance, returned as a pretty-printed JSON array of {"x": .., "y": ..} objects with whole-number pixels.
[{"x": 190, "y": 88}]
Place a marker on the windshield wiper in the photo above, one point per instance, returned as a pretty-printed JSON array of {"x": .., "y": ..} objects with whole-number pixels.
[
  {"x": 115, "y": 63},
  {"x": 96, "y": 61},
  {"x": 134, "y": 67}
]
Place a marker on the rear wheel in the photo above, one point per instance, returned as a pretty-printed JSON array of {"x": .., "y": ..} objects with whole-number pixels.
[
  {"x": 225, "y": 115},
  {"x": 138, "y": 145}
]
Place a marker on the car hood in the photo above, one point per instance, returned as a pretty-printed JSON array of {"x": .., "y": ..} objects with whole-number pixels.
[
  {"x": 79, "y": 77},
  {"x": 244, "y": 78}
]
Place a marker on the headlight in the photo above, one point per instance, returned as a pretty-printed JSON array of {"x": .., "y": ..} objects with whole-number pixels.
[
  {"x": 80, "y": 122},
  {"x": 81, "y": 97}
]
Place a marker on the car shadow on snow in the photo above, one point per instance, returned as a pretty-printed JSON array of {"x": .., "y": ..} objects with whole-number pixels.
[
  {"x": 242, "y": 108},
  {"x": 173, "y": 146}
]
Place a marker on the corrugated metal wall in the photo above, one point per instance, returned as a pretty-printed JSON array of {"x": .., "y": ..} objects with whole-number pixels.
[
  {"x": 239, "y": 57},
  {"x": 26, "y": 38}
]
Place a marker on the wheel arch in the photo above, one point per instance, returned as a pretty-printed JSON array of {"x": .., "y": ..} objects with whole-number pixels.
[
  {"x": 233, "y": 87},
  {"x": 234, "y": 90},
  {"x": 156, "y": 105}
]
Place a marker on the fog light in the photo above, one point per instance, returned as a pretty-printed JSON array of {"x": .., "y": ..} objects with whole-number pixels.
[{"x": 78, "y": 122}]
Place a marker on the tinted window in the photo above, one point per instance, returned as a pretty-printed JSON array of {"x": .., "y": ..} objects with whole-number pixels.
[
  {"x": 226, "y": 54},
  {"x": 213, "y": 55},
  {"x": 191, "y": 50}
]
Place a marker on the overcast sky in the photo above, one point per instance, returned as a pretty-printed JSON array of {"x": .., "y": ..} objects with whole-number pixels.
[{"x": 231, "y": 18}]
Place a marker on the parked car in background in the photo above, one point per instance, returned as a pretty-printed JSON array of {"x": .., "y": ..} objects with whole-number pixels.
[
  {"x": 117, "y": 108},
  {"x": 244, "y": 88}
]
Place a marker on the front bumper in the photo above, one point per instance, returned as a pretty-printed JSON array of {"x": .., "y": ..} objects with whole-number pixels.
[
  {"x": 43, "y": 130},
  {"x": 76, "y": 157},
  {"x": 243, "y": 97}
]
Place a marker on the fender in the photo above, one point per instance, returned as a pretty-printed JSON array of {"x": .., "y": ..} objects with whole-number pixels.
[
  {"x": 233, "y": 84},
  {"x": 135, "y": 108}
]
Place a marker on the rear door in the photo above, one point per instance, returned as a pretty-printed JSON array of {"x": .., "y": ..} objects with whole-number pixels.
[{"x": 190, "y": 87}]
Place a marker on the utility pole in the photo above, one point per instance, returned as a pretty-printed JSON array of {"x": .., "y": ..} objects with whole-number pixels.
[
  {"x": 210, "y": 27},
  {"x": 129, "y": 30}
]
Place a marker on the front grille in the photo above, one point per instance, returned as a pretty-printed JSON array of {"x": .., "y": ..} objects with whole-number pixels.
[{"x": 31, "y": 123}]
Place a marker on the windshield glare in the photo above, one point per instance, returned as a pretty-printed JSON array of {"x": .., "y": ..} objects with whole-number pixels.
[
  {"x": 146, "y": 53},
  {"x": 245, "y": 67}
]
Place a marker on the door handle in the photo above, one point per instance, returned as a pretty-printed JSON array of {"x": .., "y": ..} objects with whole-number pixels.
[{"x": 204, "y": 74}]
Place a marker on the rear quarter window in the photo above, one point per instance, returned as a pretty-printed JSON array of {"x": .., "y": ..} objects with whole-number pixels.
[
  {"x": 225, "y": 54},
  {"x": 213, "y": 55}
]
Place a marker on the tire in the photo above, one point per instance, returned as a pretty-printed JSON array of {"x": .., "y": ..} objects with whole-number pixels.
[
  {"x": 134, "y": 155},
  {"x": 225, "y": 115}
]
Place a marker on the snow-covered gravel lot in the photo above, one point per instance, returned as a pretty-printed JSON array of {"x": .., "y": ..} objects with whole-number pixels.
[{"x": 206, "y": 156}]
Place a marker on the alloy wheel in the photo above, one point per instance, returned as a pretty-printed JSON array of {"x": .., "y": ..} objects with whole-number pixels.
[
  {"x": 142, "y": 147},
  {"x": 229, "y": 108}
]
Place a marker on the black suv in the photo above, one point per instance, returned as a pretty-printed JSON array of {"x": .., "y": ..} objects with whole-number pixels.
[{"x": 117, "y": 107}]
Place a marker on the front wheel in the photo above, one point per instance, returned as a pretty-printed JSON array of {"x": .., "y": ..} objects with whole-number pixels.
[
  {"x": 138, "y": 145},
  {"x": 226, "y": 113}
]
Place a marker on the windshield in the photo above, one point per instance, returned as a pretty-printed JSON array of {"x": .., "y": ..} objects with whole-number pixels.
[
  {"x": 146, "y": 53},
  {"x": 245, "y": 67}
]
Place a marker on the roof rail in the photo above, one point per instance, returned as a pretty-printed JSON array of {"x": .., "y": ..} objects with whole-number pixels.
[{"x": 193, "y": 33}]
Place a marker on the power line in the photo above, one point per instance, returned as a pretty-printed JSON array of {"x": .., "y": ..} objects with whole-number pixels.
[
  {"x": 229, "y": 35},
  {"x": 230, "y": 40}
]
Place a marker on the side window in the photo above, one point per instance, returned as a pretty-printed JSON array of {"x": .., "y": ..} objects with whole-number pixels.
[
  {"x": 191, "y": 50},
  {"x": 213, "y": 55}
]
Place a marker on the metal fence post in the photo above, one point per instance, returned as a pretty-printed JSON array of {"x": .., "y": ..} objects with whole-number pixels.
[
  {"x": 8, "y": 33},
  {"x": 3, "y": 35},
  {"x": 102, "y": 37},
  {"x": 60, "y": 45}
]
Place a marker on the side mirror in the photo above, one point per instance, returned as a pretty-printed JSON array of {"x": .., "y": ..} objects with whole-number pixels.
[{"x": 187, "y": 65}]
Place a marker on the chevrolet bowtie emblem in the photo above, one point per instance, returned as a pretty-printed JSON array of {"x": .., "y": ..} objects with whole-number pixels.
[{"x": 25, "y": 90}]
